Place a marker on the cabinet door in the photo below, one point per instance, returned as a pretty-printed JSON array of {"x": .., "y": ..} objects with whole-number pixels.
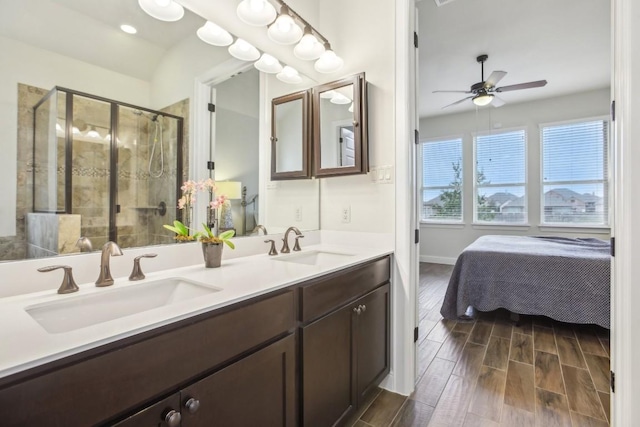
[
  {"x": 372, "y": 337},
  {"x": 327, "y": 373},
  {"x": 258, "y": 390},
  {"x": 155, "y": 415}
]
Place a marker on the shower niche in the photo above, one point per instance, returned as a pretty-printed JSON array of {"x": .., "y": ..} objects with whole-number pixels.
[{"x": 113, "y": 166}]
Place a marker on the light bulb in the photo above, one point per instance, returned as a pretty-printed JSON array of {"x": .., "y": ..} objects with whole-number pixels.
[
  {"x": 308, "y": 48},
  {"x": 243, "y": 45},
  {"x": 284, "y": 23},
  {"x": 284, "y": 30},
  {"x": 244, "y": 51},
  {"x": 75, "y": 130},
  {"x": 256, "y": 5},
  {"x": 256, "y": 12},
  {"x": 164, "y": 10},
  {"x": 482, "y": 99},
  {"x": 289, "y": 75},
  {"x": 214, "y": 35},
  {"x": 328, "y": 62},
  {"x": 268, "y": 64}
]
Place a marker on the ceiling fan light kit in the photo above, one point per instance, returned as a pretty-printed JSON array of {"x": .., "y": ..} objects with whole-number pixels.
[{"x": 483, "y": 92}]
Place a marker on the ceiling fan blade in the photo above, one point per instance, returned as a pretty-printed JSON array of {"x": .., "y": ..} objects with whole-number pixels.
[
  {"x": 529, "y": 85},
  {"x": 497, "y": 102},
  {"x": 451, "y": 91},
  {"x": 494, "y": 78},
  {"x": 458, "y": 102}
]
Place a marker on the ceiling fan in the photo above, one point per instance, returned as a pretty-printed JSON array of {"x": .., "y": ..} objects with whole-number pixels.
[{"x": 483, "y": 93}]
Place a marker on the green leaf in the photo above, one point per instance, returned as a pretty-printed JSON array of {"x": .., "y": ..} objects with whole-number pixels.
[
  {"x": 227, "y": 234},
  {"x": 207, "y": 229},
  {"x": 230, "y": 243},
  {"x": 180, "y": 226},
  {"x": 175, "y": 230}
]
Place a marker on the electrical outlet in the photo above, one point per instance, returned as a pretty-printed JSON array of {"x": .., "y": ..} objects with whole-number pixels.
[
  {"x": 346, "y": 214},
  {"x": 298, "y": 213}
]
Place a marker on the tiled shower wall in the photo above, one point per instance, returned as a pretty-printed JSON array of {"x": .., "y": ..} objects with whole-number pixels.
[{"x": 139, "y": 222}]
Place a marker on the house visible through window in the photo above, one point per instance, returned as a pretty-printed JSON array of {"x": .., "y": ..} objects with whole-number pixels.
[
  {"x": 442, "y": 180},
  {"x": 574, "y": 173},
  {"x": 500, "y": 177}
]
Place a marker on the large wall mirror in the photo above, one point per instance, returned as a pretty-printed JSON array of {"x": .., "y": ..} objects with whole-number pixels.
[
  {"x": 79, "y": 45},
  {"x": 290, "y": 136}
]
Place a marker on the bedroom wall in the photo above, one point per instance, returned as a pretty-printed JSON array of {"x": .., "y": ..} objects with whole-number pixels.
[{"x": 442, "y": 243}]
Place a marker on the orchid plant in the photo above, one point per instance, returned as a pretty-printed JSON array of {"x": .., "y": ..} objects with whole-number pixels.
[
  {"x": 209, "y": 237},
  {"x": 185, "y": 203}
]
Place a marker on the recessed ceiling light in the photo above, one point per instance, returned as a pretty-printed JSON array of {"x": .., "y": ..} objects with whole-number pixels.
[{"x": 128, "y": 29}]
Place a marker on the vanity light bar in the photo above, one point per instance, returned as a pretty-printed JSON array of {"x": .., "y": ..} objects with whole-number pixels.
[{"x": 283, "y": 29}]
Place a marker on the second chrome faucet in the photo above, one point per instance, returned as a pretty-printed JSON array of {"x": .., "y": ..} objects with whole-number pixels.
[
  {"x": 285, "y": 246},
  {"x": 109, "y": 249}
]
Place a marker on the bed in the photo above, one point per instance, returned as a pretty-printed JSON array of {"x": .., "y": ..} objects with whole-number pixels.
[{"x": 562, "y": 278}]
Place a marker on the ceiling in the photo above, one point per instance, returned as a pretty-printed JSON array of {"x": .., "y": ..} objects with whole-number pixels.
[
  {"x": 566, "y": 42},
  {"x": 89, "y": 30}
]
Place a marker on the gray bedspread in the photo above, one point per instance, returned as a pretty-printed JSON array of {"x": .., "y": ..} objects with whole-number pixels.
[{"x": 561, "y": 278}]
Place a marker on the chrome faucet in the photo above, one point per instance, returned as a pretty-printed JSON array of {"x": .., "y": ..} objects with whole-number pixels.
[
  {"x": 285, "y": 246},
  {"x": 109, "y": 249},
  {"x": 257, "y": 229},
  {"x": 84, "y": 244}
]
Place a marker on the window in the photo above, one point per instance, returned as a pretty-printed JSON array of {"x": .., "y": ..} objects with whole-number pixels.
[
  {"x": 574, "y": 173},
  {"x": 442, "y": 180},
  {"x": 500, "y": 177}
]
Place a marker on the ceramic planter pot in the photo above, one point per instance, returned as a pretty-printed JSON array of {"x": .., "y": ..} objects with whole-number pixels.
[{"x": 212, "y": 254}]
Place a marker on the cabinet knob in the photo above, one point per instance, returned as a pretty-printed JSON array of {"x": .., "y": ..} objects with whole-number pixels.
[
  {"x": 363, "y": 308},
  {"x": 173, "y": 418},
  {"x": 357, "y": 310},
  {"x": 192, "y": 404}
]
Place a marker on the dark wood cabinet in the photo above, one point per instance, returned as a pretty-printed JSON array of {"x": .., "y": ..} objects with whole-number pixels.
[
  {"x": 154, "y": 415},
  {"x": 327, "y": 372},
  {"x": 258, "y": 390},
  {"x": 344, "y": 356},
  {"x": 306, "y": 355}
]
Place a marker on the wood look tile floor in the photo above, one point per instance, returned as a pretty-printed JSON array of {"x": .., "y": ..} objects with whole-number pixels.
[{"x": 493, "y": 373}]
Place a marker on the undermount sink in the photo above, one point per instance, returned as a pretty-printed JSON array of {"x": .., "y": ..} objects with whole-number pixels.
[
  {"x": 80, "y": 311},
  {"x": 315, "y": 257}
]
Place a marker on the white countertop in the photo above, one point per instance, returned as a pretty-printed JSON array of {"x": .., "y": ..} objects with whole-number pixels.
[{"x": 26, "y": 344}]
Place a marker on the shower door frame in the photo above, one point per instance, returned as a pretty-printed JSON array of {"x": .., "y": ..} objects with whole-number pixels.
[{"x": 113, "y": 151}]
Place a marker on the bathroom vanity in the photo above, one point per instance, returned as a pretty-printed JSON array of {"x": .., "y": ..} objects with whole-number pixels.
[{"x": 306, "y": 349}]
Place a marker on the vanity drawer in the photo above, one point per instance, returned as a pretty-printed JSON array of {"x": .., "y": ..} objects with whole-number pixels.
[
  {"x": 108, "y": 385},
  {"x": 318, "y": 297}
]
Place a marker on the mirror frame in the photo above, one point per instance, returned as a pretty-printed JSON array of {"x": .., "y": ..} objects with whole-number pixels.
[
  {"x": 360, "y": 127},
  {"x": 305, "y": 172}
]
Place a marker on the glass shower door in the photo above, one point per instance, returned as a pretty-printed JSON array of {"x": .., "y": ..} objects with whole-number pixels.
[
  {"x": 90, "y": 172},
  {"x": 146, "y": 196}
]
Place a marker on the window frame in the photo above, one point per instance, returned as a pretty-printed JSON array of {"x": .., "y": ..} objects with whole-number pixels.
[
  {"x": 525, "y": 184},
  {"x": 459, "y": 137},
  {"x": 606, "y": 180}
]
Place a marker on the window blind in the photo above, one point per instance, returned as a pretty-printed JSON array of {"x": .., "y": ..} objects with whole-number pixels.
[
  {"x": 442, "y": 180},
  {"x": 575, "y": 173},
  {"x": 500, "y": 177}
]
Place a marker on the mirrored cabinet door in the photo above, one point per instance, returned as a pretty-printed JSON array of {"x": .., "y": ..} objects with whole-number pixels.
[
  {"x": 339, "y": 127},
  {"x": 290, "y": 137}
]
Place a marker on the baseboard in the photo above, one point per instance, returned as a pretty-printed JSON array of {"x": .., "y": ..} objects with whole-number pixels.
[{"x": 437, "y": 259}]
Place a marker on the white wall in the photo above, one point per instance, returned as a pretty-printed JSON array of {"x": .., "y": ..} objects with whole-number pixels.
[
  {"x": 26, "y": 64},
  {"x": 366, "y": 42},
  {"x": 443, "y": 243},
  {"x": 174, "y": 78},
  {"x": 281, "y": 199}
]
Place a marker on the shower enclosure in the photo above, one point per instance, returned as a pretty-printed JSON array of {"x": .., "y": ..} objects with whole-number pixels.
[{"x": 112, "y": 167}]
